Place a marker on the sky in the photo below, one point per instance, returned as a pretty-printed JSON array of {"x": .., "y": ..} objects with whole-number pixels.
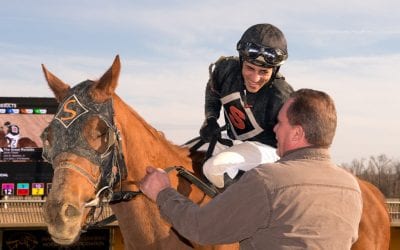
[{"x": 349, "y": 49}]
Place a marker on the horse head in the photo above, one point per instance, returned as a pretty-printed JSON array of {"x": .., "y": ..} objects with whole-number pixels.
[
  {"x": 83, "y": 145},
  {"x": 87, "y": 143}
]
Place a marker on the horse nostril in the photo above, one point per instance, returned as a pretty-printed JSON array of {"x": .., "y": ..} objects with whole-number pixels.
[{"x": 71, "y": 212}]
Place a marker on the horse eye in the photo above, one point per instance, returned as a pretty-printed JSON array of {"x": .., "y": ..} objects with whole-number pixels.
[
  {"x": 96, "y": 134},
  {"x": 99, "y": 131},
  {"x": 103, "y": 129}
]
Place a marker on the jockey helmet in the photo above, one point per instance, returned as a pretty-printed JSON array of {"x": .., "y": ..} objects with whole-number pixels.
[{"x": 263, "y": 45}]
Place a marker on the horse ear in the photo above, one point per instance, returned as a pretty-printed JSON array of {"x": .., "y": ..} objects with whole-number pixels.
[
  {"x": 58, "y": 87},
  {"x": 105, "y": 87}
]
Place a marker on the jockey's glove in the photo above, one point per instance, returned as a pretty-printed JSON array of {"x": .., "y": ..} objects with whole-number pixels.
[{"x": 210, "y": 129}]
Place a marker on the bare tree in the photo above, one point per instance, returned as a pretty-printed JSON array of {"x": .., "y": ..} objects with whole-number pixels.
[
  {"x": 380, "y": 163},
  {"x": 380, "y": 171}
]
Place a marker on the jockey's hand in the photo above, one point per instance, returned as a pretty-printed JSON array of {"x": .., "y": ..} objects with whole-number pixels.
[
  {"x": 210, "y": 129},
  {"x": 154, "y": 182}
]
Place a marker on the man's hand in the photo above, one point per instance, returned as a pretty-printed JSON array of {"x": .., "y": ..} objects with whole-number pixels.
[
  {"x": 155, "y": 180},
  {"x": 210, "y": 129}
]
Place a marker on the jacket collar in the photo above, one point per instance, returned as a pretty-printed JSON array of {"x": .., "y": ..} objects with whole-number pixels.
[{"x": 310, "y": 153}]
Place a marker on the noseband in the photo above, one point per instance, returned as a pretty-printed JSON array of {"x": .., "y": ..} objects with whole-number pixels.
[{"x": 68, "y": 124}]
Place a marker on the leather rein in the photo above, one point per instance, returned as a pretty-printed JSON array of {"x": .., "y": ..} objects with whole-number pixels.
[
  {"x": 128, "y": 195},
  {"x": 111, "y": 163}
]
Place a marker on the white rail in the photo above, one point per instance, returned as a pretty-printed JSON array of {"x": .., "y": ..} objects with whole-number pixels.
[
  {"x": 30, "y": 210},
  {"x": 393, "y": 206}
]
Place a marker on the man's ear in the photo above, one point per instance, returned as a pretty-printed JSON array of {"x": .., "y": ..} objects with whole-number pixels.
[{"x": 298, "y": 134}]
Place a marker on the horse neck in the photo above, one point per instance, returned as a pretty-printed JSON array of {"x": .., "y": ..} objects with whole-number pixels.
[{"x": 143, "y": 145}]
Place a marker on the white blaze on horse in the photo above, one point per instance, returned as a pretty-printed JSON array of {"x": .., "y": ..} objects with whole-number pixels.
[{"x": 100, "y": 146}]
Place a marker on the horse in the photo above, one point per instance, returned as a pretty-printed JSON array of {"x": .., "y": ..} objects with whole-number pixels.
[
  {"x": 77, "y": 179},
  {"x": 26, "y": 142},
  {"x": 89, "y": 147},
  {"x": 374, "y": 228}
]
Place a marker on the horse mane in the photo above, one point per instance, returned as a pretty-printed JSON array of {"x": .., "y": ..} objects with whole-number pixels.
[{"x": 157, "y": 139}]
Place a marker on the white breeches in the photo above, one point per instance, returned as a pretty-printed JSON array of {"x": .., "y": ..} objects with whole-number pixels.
[{"x": 243, "y": 156}]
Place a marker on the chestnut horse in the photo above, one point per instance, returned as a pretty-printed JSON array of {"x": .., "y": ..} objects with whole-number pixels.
[
  {"x": 91, "y": 137},
  {"x": 77, "y": 178}
]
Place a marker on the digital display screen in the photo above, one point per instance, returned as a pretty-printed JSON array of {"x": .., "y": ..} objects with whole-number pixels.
[{"x": 22, "y": 170}]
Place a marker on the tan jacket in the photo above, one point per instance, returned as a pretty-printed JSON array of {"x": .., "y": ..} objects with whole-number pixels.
[{"x": 303, "y": 201}]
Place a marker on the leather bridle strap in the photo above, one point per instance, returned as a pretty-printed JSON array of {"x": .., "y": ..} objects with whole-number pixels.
[
  {"x": 129, "y": 195},
  {"x": 78, "y": 170}
]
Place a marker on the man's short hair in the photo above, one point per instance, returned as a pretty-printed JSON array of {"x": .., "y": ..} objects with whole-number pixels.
[{"x": 315, "y": 111}]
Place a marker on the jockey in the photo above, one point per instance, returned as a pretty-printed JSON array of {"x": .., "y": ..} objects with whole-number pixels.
[
  {"x": 12, "y": 134},
  {"x": 251, "y": 91}
]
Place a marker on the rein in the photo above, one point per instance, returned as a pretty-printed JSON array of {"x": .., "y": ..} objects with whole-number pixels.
[
  {"x": 68, "y": 123},
  {"x": 112, "y": 197},
  {"x": 128, "y": 195}
]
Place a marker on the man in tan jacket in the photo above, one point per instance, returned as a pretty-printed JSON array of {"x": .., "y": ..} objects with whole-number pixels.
[{"x": 302, "y": 201}]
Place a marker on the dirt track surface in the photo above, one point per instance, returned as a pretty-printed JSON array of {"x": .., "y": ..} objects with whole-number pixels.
[{"x": 30, "y": 125}]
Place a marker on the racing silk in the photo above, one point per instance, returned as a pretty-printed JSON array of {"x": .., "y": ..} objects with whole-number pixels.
[
  {"x": 12, "y": 136},
  {"x": 248, "y": 116}
]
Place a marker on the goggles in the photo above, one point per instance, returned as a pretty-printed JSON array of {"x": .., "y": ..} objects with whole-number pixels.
[{"x": 264, "y": 56}]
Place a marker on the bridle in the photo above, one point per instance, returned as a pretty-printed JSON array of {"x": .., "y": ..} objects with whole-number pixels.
[
  {"x": 68, "y": 123},
  {"x": 76, "y": 108}
]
